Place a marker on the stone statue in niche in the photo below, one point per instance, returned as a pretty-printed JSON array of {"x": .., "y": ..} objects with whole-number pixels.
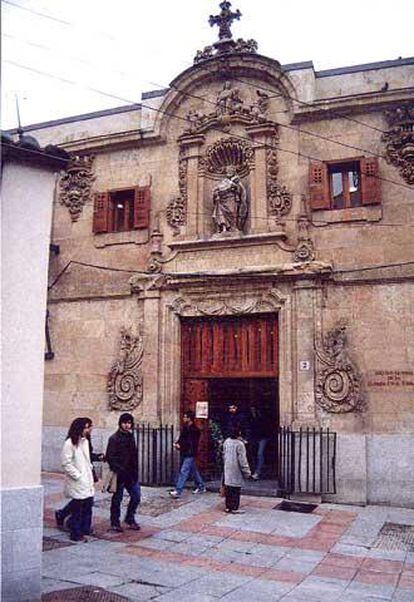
[{"x": 230, "y": 203}]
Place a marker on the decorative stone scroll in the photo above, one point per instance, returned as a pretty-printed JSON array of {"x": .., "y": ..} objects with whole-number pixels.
[
  {"x": 305, "y": 249},
  {"x": 338, "y": 382},
  {"x": 125, "y": 380},
  {"x": 177, "y": 207},
  {"x": 399, "y": 140},
  {"x": 75, "y": 185},
  {"x": 278, "y": 196}
]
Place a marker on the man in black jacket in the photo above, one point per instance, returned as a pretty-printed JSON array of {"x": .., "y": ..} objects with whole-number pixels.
[
  {"x": 122, "y": 457},
  {"x": 188, "y": 445}
]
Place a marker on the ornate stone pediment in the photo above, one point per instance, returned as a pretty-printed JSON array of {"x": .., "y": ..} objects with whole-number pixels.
[
  {"x": 230, "y": 108},
  {"x": 399, "y": 141},
  {"x": 228, "y": 305},
  {"x": 75, "y": 185},
  {"x": 125, "y": 380},
  {"x": 338, "y": 382}
]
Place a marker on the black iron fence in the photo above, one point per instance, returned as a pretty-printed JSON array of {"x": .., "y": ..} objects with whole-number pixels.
[
  {"x": 306, "y": 460},
  {"x": 158, "y": 461}
]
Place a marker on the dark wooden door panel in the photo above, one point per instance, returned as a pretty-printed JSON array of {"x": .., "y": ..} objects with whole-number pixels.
[{"x": 230, "y": 347}]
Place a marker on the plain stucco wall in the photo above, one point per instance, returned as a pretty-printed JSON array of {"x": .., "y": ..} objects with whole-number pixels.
[{"x": 27, "y": 194}]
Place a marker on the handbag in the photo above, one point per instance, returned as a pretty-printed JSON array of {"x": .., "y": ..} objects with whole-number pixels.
[{"x": 110, "y": 482}]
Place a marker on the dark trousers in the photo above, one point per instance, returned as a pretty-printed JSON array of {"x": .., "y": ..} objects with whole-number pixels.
[
  {"x": 81, "y": 517},
  {"x": 232, "y": 495},
  {"x": 134, "y": 491},
  {"x": 66, "y": 510}
]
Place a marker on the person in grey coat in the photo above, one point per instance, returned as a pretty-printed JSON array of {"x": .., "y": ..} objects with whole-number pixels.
[{"x": 235, "y": 468}]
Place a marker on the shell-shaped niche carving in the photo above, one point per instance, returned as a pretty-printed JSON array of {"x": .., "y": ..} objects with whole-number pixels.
[{"x": 228, "y": 152}]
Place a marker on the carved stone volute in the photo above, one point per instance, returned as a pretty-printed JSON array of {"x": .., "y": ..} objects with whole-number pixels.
[
  {"x": 125, "y": 380},
  {"x": 338, "y": 383}
]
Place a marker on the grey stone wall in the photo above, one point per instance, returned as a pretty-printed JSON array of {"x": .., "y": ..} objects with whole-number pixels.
[{"x": 21, "y": 542}]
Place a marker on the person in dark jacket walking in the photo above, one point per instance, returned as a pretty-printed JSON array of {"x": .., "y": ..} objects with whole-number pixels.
[
  {"x": 188, "y": 446},
  {"x": 122, "y": 457}
]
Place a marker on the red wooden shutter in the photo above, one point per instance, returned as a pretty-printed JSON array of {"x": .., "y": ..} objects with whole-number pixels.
[
  {"x": 319, "y": 186},
  {"x": 101, "y": 212},
  {"x": 142, "y": 207},
  {"x": 370, "y": 182}
]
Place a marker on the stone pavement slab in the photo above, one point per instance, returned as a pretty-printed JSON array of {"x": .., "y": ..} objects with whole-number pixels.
[{"x": 191, "y": 550}]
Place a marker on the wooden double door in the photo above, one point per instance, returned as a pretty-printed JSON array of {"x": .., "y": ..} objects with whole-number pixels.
[{"x": 229, "y": 359}]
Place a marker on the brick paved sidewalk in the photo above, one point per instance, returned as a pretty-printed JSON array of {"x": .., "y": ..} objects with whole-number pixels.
[{"x": 190, "y": 550}]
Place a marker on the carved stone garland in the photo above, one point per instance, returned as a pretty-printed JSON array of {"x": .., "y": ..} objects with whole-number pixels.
[
  {"x": 399, "y": 141},
  {"x": 279, "y": 197},
  {"x": 338, "y": 382},
  {"x": 75, "y": 185},
  {"x": 125, "y": 380},
  {"x": 177, "y": 207}
]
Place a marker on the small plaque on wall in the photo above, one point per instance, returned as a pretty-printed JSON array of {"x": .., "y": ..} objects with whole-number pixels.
[{"x": 202, "y": 409}]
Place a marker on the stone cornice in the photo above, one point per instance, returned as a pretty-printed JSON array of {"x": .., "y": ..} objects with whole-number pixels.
[
  {"x": 113, "y": 141},
  {"x": 354, "y": 103}
]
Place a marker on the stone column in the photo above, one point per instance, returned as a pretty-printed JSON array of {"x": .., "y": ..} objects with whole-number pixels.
[
  {"x": 150, "y": 293},
  {"x": 262, "y": 136},
  {"x": 304, "y": 354},
  {"x": 190, "y": 146}
]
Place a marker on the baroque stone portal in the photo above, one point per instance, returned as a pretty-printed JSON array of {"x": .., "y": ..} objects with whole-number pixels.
[
  {"x": 125, "y": 381},
  {"x": 230, "y": 203}
]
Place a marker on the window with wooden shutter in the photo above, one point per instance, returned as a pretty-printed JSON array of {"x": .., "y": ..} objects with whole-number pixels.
[
  {"x": 101, "y": 213},
  {"x": 141, "y": 207},
  {"x": 319, "y": 186},
  {"x": 370, "y": 182}
]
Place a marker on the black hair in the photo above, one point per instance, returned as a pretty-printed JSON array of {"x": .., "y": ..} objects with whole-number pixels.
[
  {"x": 126, "y": 417},
  {"x": 190, "y": 414},
  {"x": 76, "y": 429}
]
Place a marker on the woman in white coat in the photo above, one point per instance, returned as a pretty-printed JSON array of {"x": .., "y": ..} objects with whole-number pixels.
[
  {"x": 236, "y": 467},
  {"x": 76, "y": 464}
]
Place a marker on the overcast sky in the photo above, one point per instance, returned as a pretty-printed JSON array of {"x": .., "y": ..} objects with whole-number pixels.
[{"x": 55, "y": 51}]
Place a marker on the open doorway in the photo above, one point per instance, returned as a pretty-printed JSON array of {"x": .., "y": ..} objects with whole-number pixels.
[{"x": 253, "y": 396}]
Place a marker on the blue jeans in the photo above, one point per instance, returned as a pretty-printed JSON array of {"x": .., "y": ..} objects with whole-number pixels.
[
  {"x": 188, "y": 469},
  {"x": 134, "y": 492},
  {"x": 261, "y": 446}
]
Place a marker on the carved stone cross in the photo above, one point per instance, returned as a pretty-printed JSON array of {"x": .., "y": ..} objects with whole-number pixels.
[{"x": 224, "y": 20}]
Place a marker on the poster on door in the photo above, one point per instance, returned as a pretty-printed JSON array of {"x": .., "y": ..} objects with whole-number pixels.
[{"x": 202, "y": 409}]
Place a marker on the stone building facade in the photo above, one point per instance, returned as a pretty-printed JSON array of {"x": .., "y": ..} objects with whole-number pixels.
[{"x": 248, "y": 193}]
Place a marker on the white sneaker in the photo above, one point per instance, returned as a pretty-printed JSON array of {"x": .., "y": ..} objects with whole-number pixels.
[
  {"x": 174, "y": 494},
  {"x": 255, "y": 476},
  {"x": 199, "y": 490}
]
